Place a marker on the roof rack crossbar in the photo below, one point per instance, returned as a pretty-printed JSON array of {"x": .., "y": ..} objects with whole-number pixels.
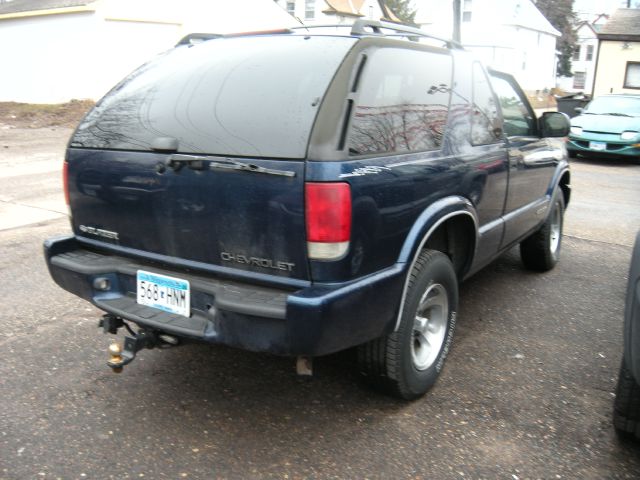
[
  {"x": 361, "y": 26},
  {"x": 192, "y": 38},
  {"x": 326, "y": 25}
]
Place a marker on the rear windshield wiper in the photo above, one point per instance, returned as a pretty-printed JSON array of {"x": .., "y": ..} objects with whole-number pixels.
[
  {"x": 617, "y": 114},
  {"x": 197, "y": 162}
]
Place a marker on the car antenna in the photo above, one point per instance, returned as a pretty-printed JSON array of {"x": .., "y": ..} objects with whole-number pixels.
[{"x": 302, "y": 23}]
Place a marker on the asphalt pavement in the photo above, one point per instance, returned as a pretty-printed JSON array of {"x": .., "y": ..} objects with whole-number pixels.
[{"x": 526, "y": 392}]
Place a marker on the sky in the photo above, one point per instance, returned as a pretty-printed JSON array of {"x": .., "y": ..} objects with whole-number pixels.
[{"x": 601, "y": 6}]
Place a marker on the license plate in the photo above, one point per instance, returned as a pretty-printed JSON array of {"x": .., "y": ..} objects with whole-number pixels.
[
  {"x": 598, "y": 146},
  {"x": 165, "y": 293}
]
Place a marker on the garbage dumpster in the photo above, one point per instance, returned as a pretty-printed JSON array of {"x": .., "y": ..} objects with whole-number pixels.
[{"x": 568, "y": 103}]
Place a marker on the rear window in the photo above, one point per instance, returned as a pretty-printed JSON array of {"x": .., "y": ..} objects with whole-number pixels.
[{"x": 254, "y": 96}]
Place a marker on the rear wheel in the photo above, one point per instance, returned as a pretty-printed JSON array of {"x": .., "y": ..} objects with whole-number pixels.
[
  {"x": 541, "y": 250},
  {"x": 407, "y": 362},
  {"x": 626, "y": 407}
]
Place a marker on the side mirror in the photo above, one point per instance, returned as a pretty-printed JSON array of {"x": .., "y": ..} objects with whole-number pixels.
[{"x": 554, "y": 124}]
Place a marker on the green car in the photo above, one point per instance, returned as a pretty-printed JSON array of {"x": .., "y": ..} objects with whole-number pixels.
[{"x": 609, "y": 126}]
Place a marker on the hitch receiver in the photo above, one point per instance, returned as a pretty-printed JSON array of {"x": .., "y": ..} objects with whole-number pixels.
[
  {"x": 110, "y": 323},
  {"x": 119, "y": 357}
]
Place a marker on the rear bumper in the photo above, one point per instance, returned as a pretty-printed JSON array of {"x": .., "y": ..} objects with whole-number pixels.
[{"x": 315, "y": 320}]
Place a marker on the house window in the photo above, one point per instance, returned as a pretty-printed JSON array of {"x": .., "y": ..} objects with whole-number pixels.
[
  {"x": 466, "y": 11},
  {"x": 579, "y": 80},
  {"x": 309, "y": 9},
  {"x": 291, "y": 8},
  {"x": 632, "y": 75},
  {"x": 576, "y": 53},
  {"x": 589, "y": 53}
]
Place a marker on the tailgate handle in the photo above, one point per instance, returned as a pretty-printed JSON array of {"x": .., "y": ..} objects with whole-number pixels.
[{"x": 196, "y": 162}]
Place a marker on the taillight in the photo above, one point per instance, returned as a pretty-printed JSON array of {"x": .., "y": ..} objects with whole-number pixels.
[
  {"x": 65, "y": 181},
  {"x": 328, "y": 218}
]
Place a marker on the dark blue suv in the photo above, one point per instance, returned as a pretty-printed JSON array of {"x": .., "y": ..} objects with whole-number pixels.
[{"x": 307, "y": 191}]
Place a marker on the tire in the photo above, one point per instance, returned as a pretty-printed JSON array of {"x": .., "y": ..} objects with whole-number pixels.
[
  {"x": 541, "y": 250},
  {"x": 572, "y": 153},
  {"x": 407, "y": 362},
  {"x": 626, "y": 407}
]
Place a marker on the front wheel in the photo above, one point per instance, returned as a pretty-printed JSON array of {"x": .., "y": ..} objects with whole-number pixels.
[
  {"x": 541, "y": 250},
  {"x": 407, "y": 362}
]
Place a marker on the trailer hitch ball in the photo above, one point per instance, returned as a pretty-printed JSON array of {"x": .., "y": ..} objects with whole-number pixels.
[{"x": 115, "y": 357}]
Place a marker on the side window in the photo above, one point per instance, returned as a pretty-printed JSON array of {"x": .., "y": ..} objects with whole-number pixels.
[
  {"x": 518, "y": 120},
  {"x": 402, "y": 102},
  {"x": 484, "y": 118}
]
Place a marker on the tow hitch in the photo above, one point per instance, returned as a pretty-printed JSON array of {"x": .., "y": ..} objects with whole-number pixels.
[{"x": 121, "y": 356}]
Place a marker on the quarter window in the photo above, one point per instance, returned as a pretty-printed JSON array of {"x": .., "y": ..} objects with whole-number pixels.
[{"x": 402, "y": 104}]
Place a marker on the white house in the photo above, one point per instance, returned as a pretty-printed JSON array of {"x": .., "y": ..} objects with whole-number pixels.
[
  {"x": 508, "y": 35},
  {"x": 56, "y": 50},
  {"x": 332, "y": 12},
  {"x": 583, "y": 63}
]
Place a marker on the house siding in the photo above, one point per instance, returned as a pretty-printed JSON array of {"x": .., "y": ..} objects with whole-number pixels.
[
  {"x": 612, "y": 64},
  {"x": 52, "y": 57},
  {"x": 370, "y": 9},
  {"x": 46, "y": 67},
  {"x": 58, "y": 58}
]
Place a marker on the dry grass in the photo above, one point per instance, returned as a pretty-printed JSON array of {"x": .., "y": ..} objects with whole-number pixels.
[{"x": 28, "y": 115}]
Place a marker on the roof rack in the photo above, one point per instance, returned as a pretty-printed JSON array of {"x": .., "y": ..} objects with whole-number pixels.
[
  {"x": 194, "y": 38},
  {"x": 373, "y": 27},
  {"x": 360, "y": 27}
]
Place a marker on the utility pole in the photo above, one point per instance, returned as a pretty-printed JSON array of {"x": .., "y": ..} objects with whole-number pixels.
[{"x": 457, "y": 18}]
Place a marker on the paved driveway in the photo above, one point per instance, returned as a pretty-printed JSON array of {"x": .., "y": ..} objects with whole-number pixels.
[{"x": 526, "y": 392}]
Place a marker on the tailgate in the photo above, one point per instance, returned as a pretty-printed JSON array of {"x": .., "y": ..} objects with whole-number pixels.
[{"x": 220, "y": 216}]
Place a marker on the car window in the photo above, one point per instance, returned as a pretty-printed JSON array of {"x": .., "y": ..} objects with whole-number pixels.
[
  {"x": 402, "y": 102},
  {"x": 484, "y": 118},
  {"x": 615, "y": 105},
  {"x": 517, "y": 117},
  {"x": 255, "y": 96}
]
